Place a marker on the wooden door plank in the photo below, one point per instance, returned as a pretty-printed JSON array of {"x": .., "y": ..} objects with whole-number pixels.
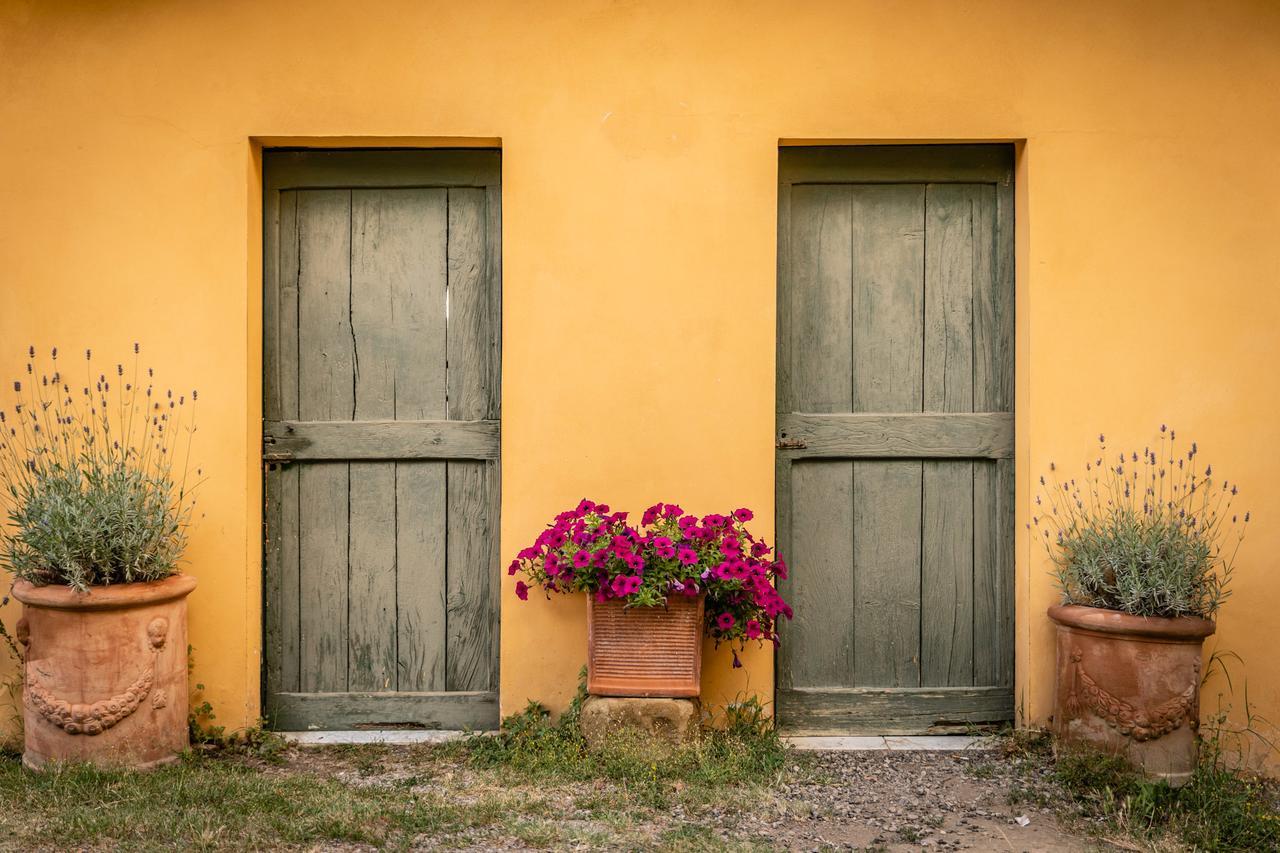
[
  {"x": 369, "y": 440},
  {"x": 419, "y": 305},
  {"x": 886, "y": 559},
  {"x": 910, "y": 435},
  {"x": 946, "y": 571},
  {"x": 471, "y": 590},
  {"x": 380, "y": 168},
  {"x": 326, "y": 378},
  {"x": 456, "y": 711},
  {"x": 993, "y": 482},
  {"x": 818, "y": 649},
  {"x": 888, "y": 309},
  {"x": 893, "y": 164},
  {"x": 898, "y": 711},
  {"x": 888, "y": 330},
  {"x": 821, "y": 360},
  {"x": 390, "y": 229},
  {"x": 820, "y": 504},
  {"x": 281, "y": 622}
]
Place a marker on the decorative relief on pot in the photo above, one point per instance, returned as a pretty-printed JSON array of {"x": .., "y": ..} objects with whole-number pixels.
[
  {"x": 76, "y": 718},
  {"x": 1123, "y": 716}
]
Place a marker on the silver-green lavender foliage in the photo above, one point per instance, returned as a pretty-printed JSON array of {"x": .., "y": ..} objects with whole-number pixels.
[
  {"x": 1150, "y": 534},
  {"x": 93, "y": 475}
]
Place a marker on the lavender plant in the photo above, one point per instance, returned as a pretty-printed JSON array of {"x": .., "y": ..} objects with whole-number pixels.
[
  {"x": 1150, "y": 534},
  {"x": 93, "y": 470}
]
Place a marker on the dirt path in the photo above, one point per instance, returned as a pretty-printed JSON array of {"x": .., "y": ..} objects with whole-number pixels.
[{"x": 826, "y": 800}]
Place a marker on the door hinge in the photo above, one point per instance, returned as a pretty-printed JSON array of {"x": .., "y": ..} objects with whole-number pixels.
[{"x": 792, "y": 444}]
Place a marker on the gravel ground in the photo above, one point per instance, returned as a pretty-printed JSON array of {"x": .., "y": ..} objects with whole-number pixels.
[{"x": 899, "y": 800}]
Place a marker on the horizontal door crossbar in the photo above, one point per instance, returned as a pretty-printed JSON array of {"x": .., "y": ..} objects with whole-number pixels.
[
  {"x": 300, "y": 712},
  {"x": 979, "y": 435},
  {"x": 900, "y": 711},
  {"x": 287, "y": 441}
]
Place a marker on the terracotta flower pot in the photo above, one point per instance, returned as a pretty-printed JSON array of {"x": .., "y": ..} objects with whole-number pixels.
[
  {"x": 1130, "y": 685},
  {"x": 106, "y": 672},
  {"x": 644, "y": 651}
]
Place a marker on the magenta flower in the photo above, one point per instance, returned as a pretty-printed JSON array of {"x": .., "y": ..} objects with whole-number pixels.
[
  {"x": 730, "y": 547},
  {"x": 664, "y": 547},
  {"x": 725, "y": 621},
  {"x": 687, "y": 556},
  {"x": 743, "y": 514},
  {"x": 522, "y": 590},
  {"x": 582, "y": 559},
  {"x": 753, "y": 629},
  {"x": 634, "y": 562},
  {"x": 514, "y": 567}
]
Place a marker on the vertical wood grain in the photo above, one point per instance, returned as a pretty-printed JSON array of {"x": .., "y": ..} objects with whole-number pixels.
[
  {"x": 818, "y": 650},
  {"x": 388, "y": 263},
  {"x": 470, "y": 659},
  {"x": 888, "y": 344},
  {"x": 326, "y": 379},
  {"x": 281, "y": 617},
  {"x": 418, "y": 317},
  {"x": 951, "y": 268},
  {"x": 993, "y": 481}
]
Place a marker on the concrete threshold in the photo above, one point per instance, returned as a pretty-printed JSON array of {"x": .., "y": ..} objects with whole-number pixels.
[
  {"x": 364, "y": 736},
  {"x": 937, "y": 743},
  {"x": 933, "y": 743}
]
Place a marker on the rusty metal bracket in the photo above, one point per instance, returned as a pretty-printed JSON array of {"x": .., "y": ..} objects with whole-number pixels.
[{"x": 792, "y": 444}]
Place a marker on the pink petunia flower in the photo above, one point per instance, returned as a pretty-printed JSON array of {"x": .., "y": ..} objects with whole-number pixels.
[
  {"x": 514, "y": 567},
  {"x": 522, "y": 590},
  {"x": 582, "y": 559},
  {"x": 743, "y": 514},
  {"x": 687, "y": 556},
  {"x": 725, "y": 621}
]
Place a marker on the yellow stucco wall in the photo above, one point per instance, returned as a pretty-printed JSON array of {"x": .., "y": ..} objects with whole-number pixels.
[{"x": 640, "y": 154}]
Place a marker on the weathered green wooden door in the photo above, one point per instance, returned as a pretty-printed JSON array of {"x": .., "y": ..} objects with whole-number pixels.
[
  {"x": 381, "y": 316},
  {"x": 895, "y": 436}
]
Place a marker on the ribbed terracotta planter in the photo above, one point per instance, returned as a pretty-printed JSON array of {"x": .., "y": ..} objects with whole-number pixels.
[
  {"x": 1130, "y": 685},
  {"x": 106, "y": 672},
  {"x": 645, "y": 651}
]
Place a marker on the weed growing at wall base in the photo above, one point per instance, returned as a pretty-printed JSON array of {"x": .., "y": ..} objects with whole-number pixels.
[
  {"x": 746, "y": 752},
  {"x": 1219, "y": 809}
]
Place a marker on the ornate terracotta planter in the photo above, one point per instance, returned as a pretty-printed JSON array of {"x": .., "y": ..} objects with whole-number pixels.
[
  {"x": 106, "y": 672},
  {"x": 1130, "y": 685},
  {"x": 644, "y": 651}
]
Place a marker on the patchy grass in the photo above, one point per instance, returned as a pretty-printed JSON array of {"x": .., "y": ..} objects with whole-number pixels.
[
  {"x": 1218, "y": 810},
  {"x": 745, "y": 752},
  {"x": 535, "y": 784},
  {"x": 208, "y": 803}
]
